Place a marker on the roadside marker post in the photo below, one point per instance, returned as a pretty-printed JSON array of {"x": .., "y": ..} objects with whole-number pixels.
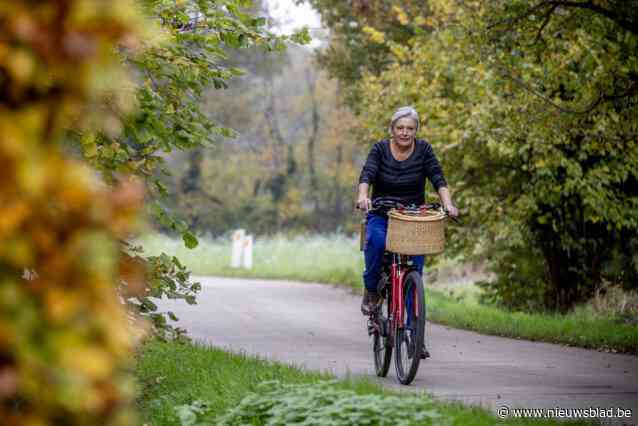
[
  {"x": 248, "y": 251},
  {"x": 237, "y": 248}
]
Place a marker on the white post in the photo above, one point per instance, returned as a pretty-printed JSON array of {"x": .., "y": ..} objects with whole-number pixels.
[
  {"x": 238, "y": 240},
  {"x": 248, "y": 251}
]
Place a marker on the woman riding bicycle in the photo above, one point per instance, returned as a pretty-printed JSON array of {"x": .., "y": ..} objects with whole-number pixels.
[{"x": 397, "y": 169}]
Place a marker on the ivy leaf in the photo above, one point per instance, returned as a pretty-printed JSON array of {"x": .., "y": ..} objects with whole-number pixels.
[{"x": 190, "y": 241}]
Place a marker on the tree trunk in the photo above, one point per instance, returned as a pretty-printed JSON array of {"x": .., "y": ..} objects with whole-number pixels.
[
  {"x": 338, "y": 206},
  {"x": 338, "y": 200},
  {"x": 312, "y": 173},
  {"x": 573, "y": 274},
  {"x": 557, "y": 295},
  {"x": 191, "y": 180},
  {"x": 277, "y": 182}
]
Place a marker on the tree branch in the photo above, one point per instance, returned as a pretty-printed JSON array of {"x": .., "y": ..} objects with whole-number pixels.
[
  {"x": 618, "y": 19},
  {"x": 631, "y": 90},
  {"x": 548, "y": 17},
  {"x": 553, "y": 4},
  {"x": 514, "y": 19}
]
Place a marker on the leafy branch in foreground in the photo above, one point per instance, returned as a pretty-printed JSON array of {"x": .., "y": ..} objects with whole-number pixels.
[{"x": 171, "y": 78}]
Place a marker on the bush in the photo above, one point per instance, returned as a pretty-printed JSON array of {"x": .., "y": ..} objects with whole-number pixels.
[
  {"x": 65, "y": 338},
  {"x": 522, "y": 283},
  {"x": 611, "y": 301},
  {"x": 518, "y": 283},
  {"x": 279, "y": 404}
]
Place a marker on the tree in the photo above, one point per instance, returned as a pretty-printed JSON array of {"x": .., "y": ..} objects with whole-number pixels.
[
  {"x": 576, "y": 71},
  {"x": 359, "y": 34}
]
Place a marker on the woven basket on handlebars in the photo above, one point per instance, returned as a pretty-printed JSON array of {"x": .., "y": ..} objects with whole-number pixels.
[{"x": 416, "y": 235}]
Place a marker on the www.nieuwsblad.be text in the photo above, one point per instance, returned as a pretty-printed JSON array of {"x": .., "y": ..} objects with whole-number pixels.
[{"x": 565, "y": 413}]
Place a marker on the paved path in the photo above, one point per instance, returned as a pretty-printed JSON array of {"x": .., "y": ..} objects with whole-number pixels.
[{"x": 320, "y": 327}]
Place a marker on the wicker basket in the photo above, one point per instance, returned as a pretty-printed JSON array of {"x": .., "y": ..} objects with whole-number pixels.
[{"x": 416, "y": 235}]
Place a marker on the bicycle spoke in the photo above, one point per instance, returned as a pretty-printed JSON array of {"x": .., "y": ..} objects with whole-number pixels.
[{"x": 409, "y": 337}]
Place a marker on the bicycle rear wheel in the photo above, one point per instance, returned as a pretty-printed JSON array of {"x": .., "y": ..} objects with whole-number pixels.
[
  {"x": 409, "y": 337},
  {"x": 381, "y": 343}
]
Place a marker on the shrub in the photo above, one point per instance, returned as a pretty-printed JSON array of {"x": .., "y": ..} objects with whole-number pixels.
[
  {"x": 518, "y": 282},
  {"x": 65, "y": 338},
  {"x": 322, "y": 403}
]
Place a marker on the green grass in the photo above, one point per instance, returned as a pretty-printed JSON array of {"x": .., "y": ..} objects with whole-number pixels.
[
  {"x": 328, "y": 259},
  {"x": 577, "y": 328},
  {"x": 335, "y": 259},
  {"x": 182, "y": 383}
]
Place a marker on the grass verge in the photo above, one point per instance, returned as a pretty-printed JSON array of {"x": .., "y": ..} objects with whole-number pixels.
[
  {"x": 576, "y": 329},
  {"x": 191, "y": 384},
  {"x": 335, "y": 259}
]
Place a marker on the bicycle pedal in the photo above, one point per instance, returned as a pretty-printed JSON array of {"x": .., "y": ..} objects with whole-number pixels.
[{"x": 371, "y": 328}]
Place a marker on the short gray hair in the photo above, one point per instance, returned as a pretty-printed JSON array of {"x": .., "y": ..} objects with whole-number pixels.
[{"x": 404, "y": 112}]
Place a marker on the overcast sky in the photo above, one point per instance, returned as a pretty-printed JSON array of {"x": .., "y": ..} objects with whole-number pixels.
[{"x": 291, "y": 17}]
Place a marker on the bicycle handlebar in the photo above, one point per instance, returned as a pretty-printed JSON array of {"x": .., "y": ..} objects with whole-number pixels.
[{"x": 384, "y": 205}]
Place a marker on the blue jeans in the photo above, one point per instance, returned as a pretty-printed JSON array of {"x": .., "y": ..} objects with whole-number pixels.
[{"x": 376, "y": 229}]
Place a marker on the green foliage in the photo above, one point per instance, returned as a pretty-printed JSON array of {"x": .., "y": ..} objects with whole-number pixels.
[
  {"x": 571, "y": 140},
  {"x": 275, "y": 403},
  {"x": 520, "y": 280}
]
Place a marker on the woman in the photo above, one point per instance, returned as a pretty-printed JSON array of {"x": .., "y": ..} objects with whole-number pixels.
[{"x": 396, "y": 169}]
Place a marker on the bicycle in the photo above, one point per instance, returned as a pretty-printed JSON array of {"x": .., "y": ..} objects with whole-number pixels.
[{"x": 398, "y": 322}]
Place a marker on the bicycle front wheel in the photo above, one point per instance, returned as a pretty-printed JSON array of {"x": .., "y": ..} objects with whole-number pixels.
[{"x": 409, "y": 337}]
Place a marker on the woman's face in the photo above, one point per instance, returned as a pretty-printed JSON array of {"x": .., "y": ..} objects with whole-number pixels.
[{"x": 404, "y": 131}]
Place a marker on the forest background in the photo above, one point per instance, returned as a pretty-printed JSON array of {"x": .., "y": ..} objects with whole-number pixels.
[{"x": 292, "y": 165}]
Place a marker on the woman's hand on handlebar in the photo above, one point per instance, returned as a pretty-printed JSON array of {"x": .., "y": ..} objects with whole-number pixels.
[
  {"x": 452, "y": 210},
  {"x": 364, "y": 203}
]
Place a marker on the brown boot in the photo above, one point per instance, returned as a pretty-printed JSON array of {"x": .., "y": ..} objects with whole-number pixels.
[{"x": 369, "y": 302}]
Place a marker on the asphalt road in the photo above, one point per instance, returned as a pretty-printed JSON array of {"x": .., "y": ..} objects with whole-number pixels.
[{"x": 320, "y": 327}]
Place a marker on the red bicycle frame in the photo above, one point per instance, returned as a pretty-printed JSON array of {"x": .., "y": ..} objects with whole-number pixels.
[{"x": 398, "y": 270}]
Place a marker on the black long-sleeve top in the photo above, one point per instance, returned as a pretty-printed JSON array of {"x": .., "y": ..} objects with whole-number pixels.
[{"x": 402, "y": 180}]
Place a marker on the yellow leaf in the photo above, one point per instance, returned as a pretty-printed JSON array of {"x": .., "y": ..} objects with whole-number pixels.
[
  {"x": 12, "y": 216},
  {"x": 375, "y": 36},
  {"x": 90, "y": 360},
  {"x": 22, "y": 65},
  {"x": 401, "y": 15}
]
